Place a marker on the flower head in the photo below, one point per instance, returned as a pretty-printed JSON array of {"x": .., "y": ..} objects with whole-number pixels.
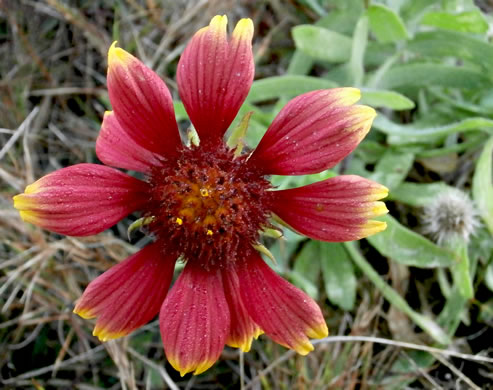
[{"x": 206, "y": 204}]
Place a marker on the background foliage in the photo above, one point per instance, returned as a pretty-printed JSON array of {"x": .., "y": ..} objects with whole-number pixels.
[{"x": 427, "y": 65}]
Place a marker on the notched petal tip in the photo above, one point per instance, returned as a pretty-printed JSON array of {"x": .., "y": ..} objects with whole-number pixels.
[
  {"x": 243, "y": 30},
  {"x": 29, "y": 216},
  {"x": 104, "y": 334},
  {"x": 195, "y": 368},
  {"x": 23, "y": 201},
  {"x": 372, "y": 227},
  {"x": 318, "y": 332},
  {"x": 380, "y": 192},
  {"x": 118, "y": 56},
  {"x": 345, "y": 96},
  {"x": 362, "y": 119},
  {"x": 378, "y": 209},
  {"x": 84, "y": 312},
  {"x": 26, "y": 204},
  {"x": 303, "y": 348},
  {"x": 245, "y": 344},
  {"x": 219, "y": 22}
]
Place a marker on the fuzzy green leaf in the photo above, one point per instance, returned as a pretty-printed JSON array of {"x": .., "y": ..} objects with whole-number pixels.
[
  {"x": 454, "y": 44},
  {"x": 322, "y": 44},
  {"x": 468, "y": 21},
  {"x": 428, "y": 74},
  {"x": 387, "y": 99},
  {"x": 408, "y": 134},
  {"x": 338, "y": 273},
  {"x": 286, "y": 86},
  {"x": 407, "y": 247},
  {"x": 482, "y": 187},
  {"x": 417, "y": 194},
  {"x": 386, "y": 24},
  {"x": 393, "y": 168}
]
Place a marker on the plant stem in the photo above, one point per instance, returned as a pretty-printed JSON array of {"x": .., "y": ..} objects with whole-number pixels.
[{"x": 425, "y": 323}]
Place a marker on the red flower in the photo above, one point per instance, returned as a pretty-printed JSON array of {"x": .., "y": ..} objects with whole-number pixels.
[{"x": 205, "y": 205}]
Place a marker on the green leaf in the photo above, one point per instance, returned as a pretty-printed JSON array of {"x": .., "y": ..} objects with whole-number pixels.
[
  {"x": 407, "y": 247},
  {"x": 408, "y": 134},
  {"x": 387, "y": 99},
  {"x": 482, "y": 188},
  {"x": 180, "y": 112},
  {"x": 322, "y": 44},
  {"x": 393, "y": 168},
  {"x": 454, "y": 44},
  {"x": 343, "y": 16},
  {"x": 300, "y": 63},
  {"x": 307, "y": 265},
  {"x": 488, "y": 276},
  {"x": 468, "y": 21},
  {"x": 386, "y": 24},
  {"x": 360, "y": 39},
  {"x": 338, "y": 273},
  {"x": 285, "y": 86},
  {"x": 426, "y": 74},
  {"x": 417, "y": 194}
]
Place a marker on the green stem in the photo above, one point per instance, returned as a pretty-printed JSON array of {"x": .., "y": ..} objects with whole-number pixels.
[
  {"x": 461, "y": 272},
  {"x": 425, "y": 323}
]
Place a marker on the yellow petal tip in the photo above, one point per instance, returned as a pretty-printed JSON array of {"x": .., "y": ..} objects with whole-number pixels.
[
  {"x": 372, "y": 227},
  {"x": 349, "y": 96},
  {"x": 219, "y": 20},
  {"x": 304, "y": 348},
  {"x": 318, "y": 332},
  {"x": 118, "y": 56},
  {"x": 84, "y": 313},
  {"x": 104, "y": 334},
  {"x": 378, "y": 209},
  {"x": 244, "y": 29}
]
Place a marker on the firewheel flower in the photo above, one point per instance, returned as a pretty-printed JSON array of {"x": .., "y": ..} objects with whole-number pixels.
[{"x": 205, "y": 204}]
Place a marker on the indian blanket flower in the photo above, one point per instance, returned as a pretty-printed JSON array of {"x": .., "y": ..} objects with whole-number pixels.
[{"x": 207, "y": 203}]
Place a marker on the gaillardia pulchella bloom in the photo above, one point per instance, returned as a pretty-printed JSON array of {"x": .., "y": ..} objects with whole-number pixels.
[{"x": 206, "y": 204}]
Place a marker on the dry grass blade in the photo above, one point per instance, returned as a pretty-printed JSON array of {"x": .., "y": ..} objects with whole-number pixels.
[{"x": 17, "y": 133}]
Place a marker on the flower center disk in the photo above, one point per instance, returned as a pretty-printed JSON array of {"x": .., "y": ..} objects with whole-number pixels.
[{"x": 206, "y": 204}]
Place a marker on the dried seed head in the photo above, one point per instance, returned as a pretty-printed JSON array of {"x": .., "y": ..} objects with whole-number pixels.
[{"x": 450, "y": 216}]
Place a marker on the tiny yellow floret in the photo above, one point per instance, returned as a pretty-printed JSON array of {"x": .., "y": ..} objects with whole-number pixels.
[
  {"x": 204, "y": 192},
  {"x": 209, "y": 232},
  {"x": 179, "y": 221}
]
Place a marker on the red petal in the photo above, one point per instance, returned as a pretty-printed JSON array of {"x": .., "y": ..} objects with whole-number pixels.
[
  {"x": 194, "y": 320},
  {"x": 214, "y": 76},
  {"x": 80, "y": 200},
  {"x": 142, "y": 103},
  {"x": 115, "y": 147},
  {"x": 313, "y": 132},
  {"x": 285, "y": 313},
  {"x": 242, "y": 329},
  {"x": 129, "y": 294},
  {"x": 337, "y": 209}
]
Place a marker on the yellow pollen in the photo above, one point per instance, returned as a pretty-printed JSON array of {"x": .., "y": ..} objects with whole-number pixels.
[
  {"x": 179, "y": 221},
  {"x": 204, "y": 192},
  {"x": 209, "y": 232}
]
